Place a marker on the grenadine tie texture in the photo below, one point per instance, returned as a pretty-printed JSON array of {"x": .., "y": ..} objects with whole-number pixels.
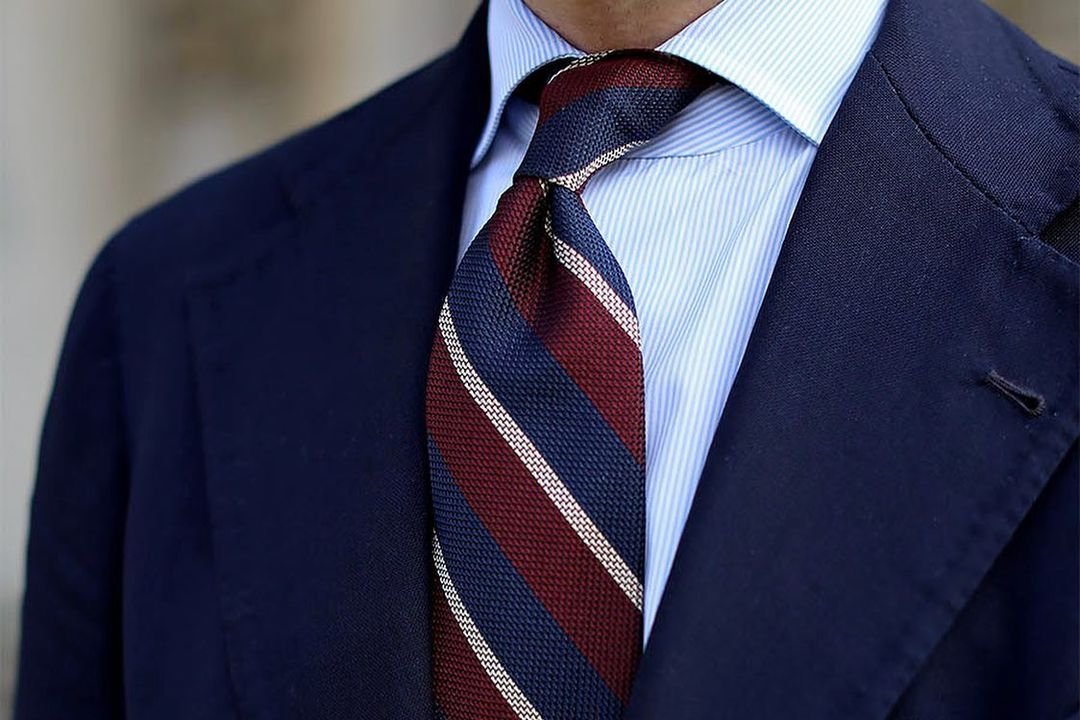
[{"x": 536, "y": 422}]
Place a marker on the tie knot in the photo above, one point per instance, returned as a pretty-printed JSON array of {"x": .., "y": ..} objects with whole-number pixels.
[{"x": 600, "y": 107}]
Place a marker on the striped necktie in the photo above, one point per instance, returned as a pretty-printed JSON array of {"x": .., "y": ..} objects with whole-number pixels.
[{"x": 536, "y": 425}]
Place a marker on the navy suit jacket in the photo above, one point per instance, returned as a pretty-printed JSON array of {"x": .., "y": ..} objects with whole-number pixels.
[{"x": 231, "y": 516}]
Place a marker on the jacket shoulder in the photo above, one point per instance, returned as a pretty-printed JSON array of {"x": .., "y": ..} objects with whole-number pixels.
[{"x": 220, "y": 215}]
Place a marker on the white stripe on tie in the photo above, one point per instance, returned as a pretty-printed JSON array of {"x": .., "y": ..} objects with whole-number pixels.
[
  {"x": 574, "y": 181},
  {"x": 544, "y": 475},
  {"x": 591, "y": 278},
  {"x": 579, "y": 63},
  {"x": 513, "y": 695}
]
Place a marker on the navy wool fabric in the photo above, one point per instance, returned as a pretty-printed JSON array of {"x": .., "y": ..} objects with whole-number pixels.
[{"x": 232, "y": 510}]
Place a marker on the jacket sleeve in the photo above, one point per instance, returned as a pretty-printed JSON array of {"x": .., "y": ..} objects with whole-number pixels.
[{"x": 70, "y": 662}]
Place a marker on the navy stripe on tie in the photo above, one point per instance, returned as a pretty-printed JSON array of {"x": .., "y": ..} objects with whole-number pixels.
[
  {"x": 488, "y": 584},
  {"x": 549, "y": 154}
]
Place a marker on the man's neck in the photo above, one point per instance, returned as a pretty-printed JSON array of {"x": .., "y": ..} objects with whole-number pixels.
[{"x": 595, "y": 25}]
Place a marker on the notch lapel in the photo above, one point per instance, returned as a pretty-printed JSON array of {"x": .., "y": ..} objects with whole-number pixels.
[
  {"x": 864, "y": 476},
  {"x": 311, "y": 357}
]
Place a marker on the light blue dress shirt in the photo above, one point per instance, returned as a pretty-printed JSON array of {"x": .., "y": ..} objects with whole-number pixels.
[{"x": 695, "y": 217}]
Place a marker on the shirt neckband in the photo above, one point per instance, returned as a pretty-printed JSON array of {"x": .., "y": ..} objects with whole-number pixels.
[{"x": 796, "y": 57}]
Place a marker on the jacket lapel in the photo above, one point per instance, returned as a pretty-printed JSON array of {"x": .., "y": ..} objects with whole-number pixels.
[
  {"x": 311, "y": 358},
  {"x": 865, "y": 474}
]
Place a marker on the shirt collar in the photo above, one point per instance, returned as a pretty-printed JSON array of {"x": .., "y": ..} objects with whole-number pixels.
[{"x": 797, "y": 57}]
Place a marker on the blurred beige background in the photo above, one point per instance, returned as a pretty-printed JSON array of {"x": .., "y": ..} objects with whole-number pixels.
[{"x": 106, "y": 105}]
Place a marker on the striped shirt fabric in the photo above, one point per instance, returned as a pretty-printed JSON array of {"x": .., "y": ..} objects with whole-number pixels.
[{"x": 695, "y": 217}]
